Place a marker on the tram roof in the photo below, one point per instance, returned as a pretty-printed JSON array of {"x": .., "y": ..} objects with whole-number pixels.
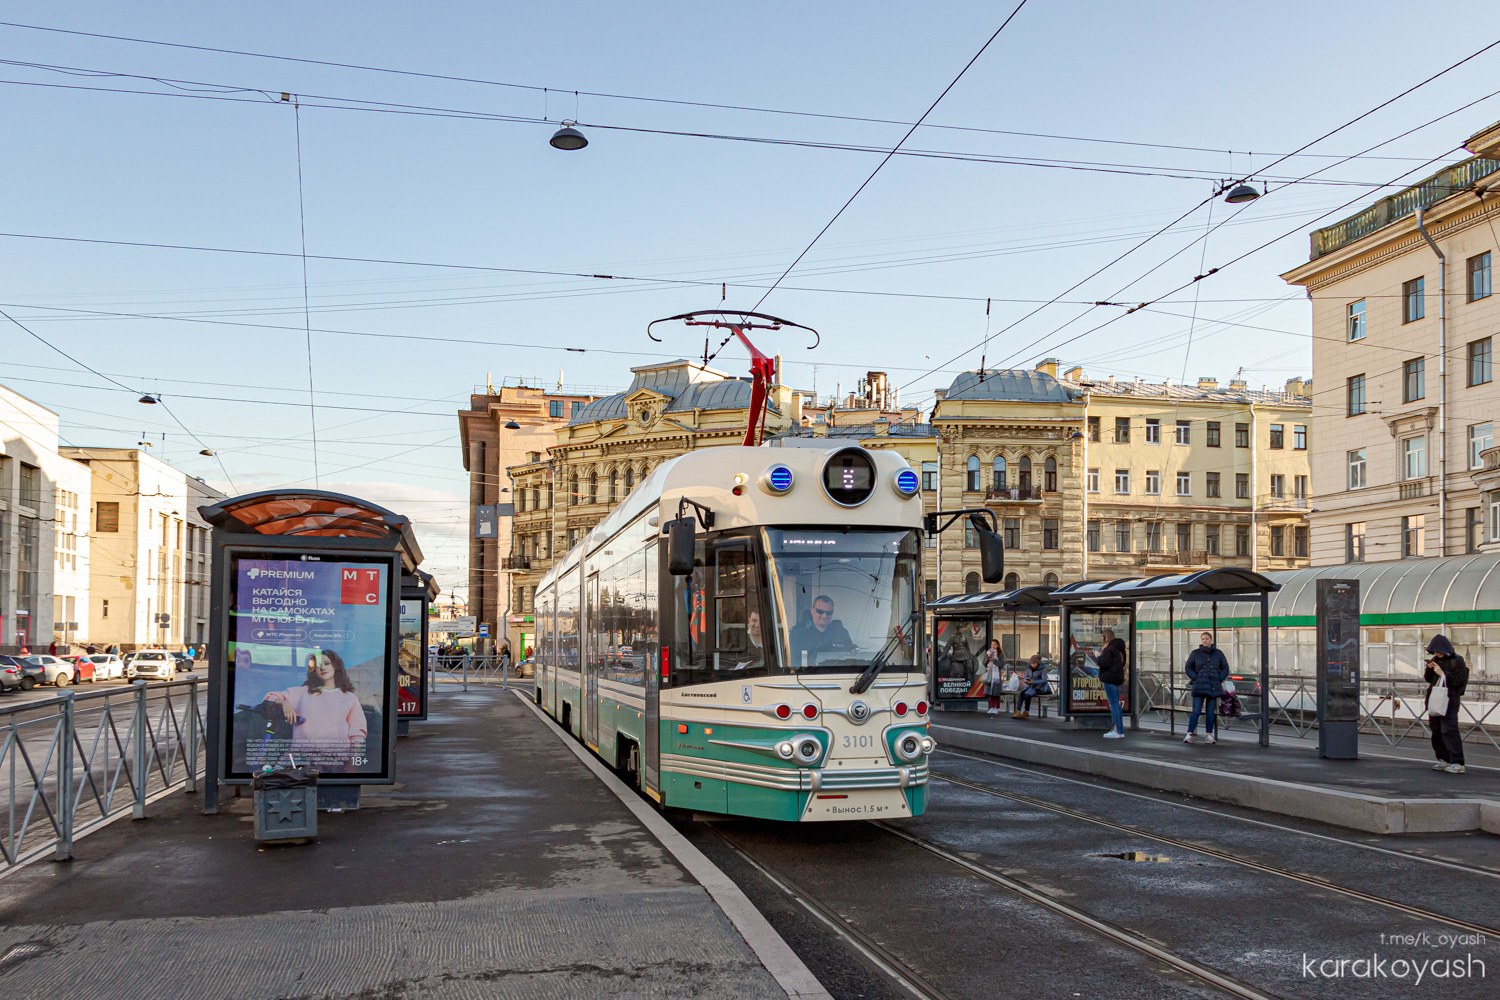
[{"x": 1029, "y": 598}]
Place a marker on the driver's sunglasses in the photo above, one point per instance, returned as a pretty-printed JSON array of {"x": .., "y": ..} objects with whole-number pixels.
[{"x": 823, "y": 612}]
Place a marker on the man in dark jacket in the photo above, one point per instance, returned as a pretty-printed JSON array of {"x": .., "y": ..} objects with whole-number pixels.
[
  {"x": 1449, "y": 666},
  {"x": 1111, "y": 661},
  {"x": 1208, "y": 669}
]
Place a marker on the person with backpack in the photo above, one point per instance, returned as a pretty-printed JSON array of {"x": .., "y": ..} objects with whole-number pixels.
[
  {"x": 1111, "y": 661},
  {"x": 1208, "y": 669},
  {"x": 1447, "y": 677}
]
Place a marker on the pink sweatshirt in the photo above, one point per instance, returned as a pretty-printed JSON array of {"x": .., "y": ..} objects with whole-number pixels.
[{"x": 329, "y": 714}]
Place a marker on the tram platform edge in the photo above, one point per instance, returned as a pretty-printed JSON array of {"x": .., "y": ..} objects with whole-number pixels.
[
  {"x": 1382, "y": 796},
  {"x": 774, "y": 953}
]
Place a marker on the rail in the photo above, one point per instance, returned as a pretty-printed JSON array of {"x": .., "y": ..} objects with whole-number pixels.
[
  {"x": 75, "y": 762},
  {"x": 1392, "y": 709}
]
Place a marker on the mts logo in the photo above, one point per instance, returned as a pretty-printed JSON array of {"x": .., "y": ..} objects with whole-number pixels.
[{"x": 359, "y": 586}]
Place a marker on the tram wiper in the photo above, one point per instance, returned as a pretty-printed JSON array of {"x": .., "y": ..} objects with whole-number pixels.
[{"x": 877, "y": 664}]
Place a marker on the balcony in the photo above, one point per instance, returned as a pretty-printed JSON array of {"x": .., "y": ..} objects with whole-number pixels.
[
  {"x": 514, "y": 563},
  {"x": 1283, "y": 501},
  {"x": 1021, "y": 493},
  {"x": 1195, "y": 558},
  {"x": 1446, "y": 182}
]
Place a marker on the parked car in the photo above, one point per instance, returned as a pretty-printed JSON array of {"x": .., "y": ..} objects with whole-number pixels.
[
  {"x": 107, "y": 666},
  {"x": 148, "y": 663},
  {"x": 11, "y": 674},
  {"x": 52, "y": 669},
  {"x": 83, "y": 667},
  {"x": 30, "y": 675}
]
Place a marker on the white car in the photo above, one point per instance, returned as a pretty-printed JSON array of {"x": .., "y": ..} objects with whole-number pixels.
[
  {"x": 107, "y": 666},
  {"x": 149, "y": 663},
  {"x": 55, "y": 670}
]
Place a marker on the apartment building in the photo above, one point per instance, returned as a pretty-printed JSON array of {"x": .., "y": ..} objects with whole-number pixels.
[
  {"x": 1102, "y": 478},
  {"x": 44, "y": 541},
  {"x": 1404, "y": 325}
]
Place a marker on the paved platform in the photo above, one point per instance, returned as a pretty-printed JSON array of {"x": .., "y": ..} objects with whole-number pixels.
[
  {"x": 1388, "y": 793},
  {"x": 500, "y": 866}
]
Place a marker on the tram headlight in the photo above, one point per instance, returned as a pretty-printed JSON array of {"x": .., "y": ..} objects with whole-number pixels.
[
  {"x": 785, "y": 750},
  {"x": 808, "y": 749},
  {"x": 928, "y": 744},
  {"x": 909, "y": 747}
]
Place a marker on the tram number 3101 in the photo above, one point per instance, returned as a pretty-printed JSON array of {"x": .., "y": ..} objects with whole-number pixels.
[{"x": 859, "y": 741}]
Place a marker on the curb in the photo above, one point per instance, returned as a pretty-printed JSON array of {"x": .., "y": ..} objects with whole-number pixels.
[
  {"x": 773, "y": 952},
  {"x": 1352, "y": 810}
]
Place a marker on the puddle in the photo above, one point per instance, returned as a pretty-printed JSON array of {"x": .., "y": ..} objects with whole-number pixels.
[
  {"x": 1135, "y": 856},
  {"x": 24, "y": 950}
]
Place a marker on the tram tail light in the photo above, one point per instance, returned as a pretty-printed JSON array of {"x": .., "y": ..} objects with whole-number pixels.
[
  {"x": 810, "y": 710},
  {"x": 783, "y": 711},
  {"x": 900, "y": 708},
  {"x": 921, "y": 708}
]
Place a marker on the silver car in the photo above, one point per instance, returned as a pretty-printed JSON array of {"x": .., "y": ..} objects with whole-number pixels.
[
  {"x": 53, "y": 669},
  {"x": 151, "y": 663}
]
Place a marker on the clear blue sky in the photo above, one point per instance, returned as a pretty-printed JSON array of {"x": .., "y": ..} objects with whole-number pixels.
[{"x": 439, "y": 189}]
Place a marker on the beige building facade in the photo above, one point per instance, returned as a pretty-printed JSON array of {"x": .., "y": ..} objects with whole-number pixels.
[{"x": 1404, "y": 325}]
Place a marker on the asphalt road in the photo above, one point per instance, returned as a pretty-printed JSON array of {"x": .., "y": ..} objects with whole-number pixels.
[{"x": 1245, "y": 896}]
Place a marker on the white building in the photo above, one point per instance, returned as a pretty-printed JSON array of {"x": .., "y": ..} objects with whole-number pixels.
[{"x": 44, "y": 543}]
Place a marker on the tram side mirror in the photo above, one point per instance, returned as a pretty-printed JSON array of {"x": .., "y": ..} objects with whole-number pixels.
[
  {"x": 991, "y": 553},
  {"x": 680, "y": 543}
]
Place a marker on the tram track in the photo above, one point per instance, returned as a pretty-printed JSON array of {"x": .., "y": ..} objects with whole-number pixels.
[{"x": 1160, "y": 838}]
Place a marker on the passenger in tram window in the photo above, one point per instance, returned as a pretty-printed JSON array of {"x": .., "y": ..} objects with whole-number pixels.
[
  {"x": 754, "y": 653},
  {"x": 821, "y": 633}
]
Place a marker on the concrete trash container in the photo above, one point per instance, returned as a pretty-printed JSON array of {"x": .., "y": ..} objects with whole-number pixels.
[{"x": 286, "y": 804}]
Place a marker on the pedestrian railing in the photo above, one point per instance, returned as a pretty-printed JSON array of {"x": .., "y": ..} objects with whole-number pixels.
[
  {"x": 72, "y": 763},
  {"x": 458, "y": 669},
  {"x": 1393, "y": 709}
]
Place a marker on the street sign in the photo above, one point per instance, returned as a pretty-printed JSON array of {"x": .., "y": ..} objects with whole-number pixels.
[
  {"x": 461, "y": 626},
  {"x": 164, "y": 618},
  {"x": 486, "y": 521},
  {"x": 484, "y": 630}
]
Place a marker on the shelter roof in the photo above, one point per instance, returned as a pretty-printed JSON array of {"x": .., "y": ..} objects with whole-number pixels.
[
  {"x": 313, "y": 514},
  {"x": 1207, "y": 583},
  {"x": 1024, "y": 598}
]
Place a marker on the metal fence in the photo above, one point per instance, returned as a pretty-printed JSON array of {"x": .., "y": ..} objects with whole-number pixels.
[
  {"x": 72, "y": 763},
  {"x": 1393, "y": 709},
  {"x": 473, "y": 669}
]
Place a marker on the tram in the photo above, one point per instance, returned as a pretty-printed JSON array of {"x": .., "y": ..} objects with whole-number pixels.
[{"x": 743, "y": 635}]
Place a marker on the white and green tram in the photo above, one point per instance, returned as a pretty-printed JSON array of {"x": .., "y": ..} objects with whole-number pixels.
[{"x": 742, "y": 635}]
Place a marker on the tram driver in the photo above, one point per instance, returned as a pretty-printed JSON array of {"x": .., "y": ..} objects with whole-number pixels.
[{"x": 820, "y": 634}]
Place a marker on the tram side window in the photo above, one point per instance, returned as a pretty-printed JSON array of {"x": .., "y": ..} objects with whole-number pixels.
[
  {"x": 622, "y": 649},
  {"x": 567, "y": 621},
  {"x": 720, "y": 626}
]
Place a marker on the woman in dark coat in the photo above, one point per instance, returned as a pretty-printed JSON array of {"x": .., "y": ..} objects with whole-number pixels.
[
  {"x": 1111, "y": 675},
  {"x": 1447, "y": 743},
  {"x": 1208, "y": 669}
]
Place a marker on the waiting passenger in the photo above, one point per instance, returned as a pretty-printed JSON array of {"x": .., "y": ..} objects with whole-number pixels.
[
  {"x": 994, "y": 676},
  {"x": 1446, "y": 673},
  {"x": 1208, "y": 669},
  {"x": 1033, "y": 685},
  {"x": 819, "y": 634}
]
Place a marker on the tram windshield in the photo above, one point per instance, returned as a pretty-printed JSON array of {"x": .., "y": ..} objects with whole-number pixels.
[{"x": 845, "y": 597}]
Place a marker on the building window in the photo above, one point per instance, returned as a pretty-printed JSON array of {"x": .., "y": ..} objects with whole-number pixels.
[
  {"x": 1299, "y": 487},
  {"x": 593, "y": 487},
  {"x": 997, "y": 476},
  {"x": 1354, "y": 542},
  {"x": 1473, "y": 524},
  {"x": 1413, "y": 303},
  {"x": 1012, "y": 582},
  {"x": 1153, "y": 431},
  {"x": 1211, "y": 484},
  {"x": 1184, "y": 537},
  {"x": 1495, "y": 517},
  {"x": 1481, "y": 368},
  {"x": 1050, "y": 580},
  {"x": 1357, "y": 320},
  {"x": 1276, "y": 436},
  {"x": 1184, "y": 484},
  {"x": 1093, "y": 536},
  {"x": 1242, "y": 486},
  {"x": 1122, "y": 481},
  {"x": 1356, "y": 462},
  {"x": 1413, "y": 532},
  {"x": 1414, "y": 380},
  {"x": 104, "y": 608},
  {"x": 1153, "y": 536},
  {"x": 1241, "y": 540},
  {"x": 1278, "y": 540},
  {"x": 1023, "y": 473},
  {"x": 1213, "y": 434},
  {"x": 1481, "y": 436},
  {"x": 1299, "y": 437},
  {"x": 1278, "y": 487},
  {"x": 1012, "y": 533},
  {"x": 931, "y": 587},
  {"x": 929, "y": 476},
  {"x": 578, "y": 406},
  {"x": 1242, "y": 435},
  {"x": 1049, "y": 475},
  {"x": 1355, "y": 395},
  {"x": 971, "y": 537},
  {"x": 1049, "y": 533},
  {"x": 1479, "y": 277},
  {"x": 1094, "y": 429},
  {"x": 1093, "y": 480},
  {"x": 107, "y": 516},
  {"x": 1211, "y": 539},
  {"x": 1153, "y": 482},
  {"x": 555, "y": 409},
  {"x": 30, "y": 492},
  {"x": 1122, "y": 536},
  {"x": 973, "y": 484},
  {"x": 1184, "y": 432},
  {"x": 574, "y": 498},
  {"x": 1122, "y": 430},
  {"x": 1414, "y": 458},
  {"x": 1299, "y": 542},
  {"x": 971, "y": 583}
]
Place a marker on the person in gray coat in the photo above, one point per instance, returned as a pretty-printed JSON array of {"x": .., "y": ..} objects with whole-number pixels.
[{"x": 1208, "y": 669}]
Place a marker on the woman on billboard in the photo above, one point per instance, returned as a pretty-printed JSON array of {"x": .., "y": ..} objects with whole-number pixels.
[{"x": 328, "y": 722}]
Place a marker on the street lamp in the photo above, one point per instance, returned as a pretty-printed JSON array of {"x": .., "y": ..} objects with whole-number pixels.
[
  {"x": 206, "y": 453},
  {"x": 568, "y": 137},
  {"x": 1240, "y": 194},
  {"x": 146, "y": 398},
  {"x": 511, "y": 425}
]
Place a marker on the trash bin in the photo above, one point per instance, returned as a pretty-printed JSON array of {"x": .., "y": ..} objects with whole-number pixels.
[{"x": 286, "y": 804}]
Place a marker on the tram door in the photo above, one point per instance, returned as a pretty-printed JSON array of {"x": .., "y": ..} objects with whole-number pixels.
[
  {"x": 651, "y": 765},
  {"x": 592, "y": 654}
]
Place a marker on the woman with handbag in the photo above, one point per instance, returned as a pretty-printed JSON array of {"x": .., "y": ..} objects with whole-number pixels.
[
  {"x": 1447, "y": 676},
  {"x": 994, "y": 676}
]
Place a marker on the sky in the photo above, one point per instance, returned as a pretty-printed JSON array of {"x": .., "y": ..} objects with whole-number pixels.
[{"x": 449, "y": 244}]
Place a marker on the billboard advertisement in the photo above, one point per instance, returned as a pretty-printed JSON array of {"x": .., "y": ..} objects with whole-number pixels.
[
  {"x": 958, "y": 648},
  {"x": 1089, "y": 630},
  {"x": 309, "y": 665},
  {"x": 411, "y": 660}
]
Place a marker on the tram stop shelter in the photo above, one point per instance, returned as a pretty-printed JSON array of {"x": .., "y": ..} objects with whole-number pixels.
[
  {"x": 1089, "y": 608},
  {"x": 303, "y": 639},
  {"x": 418, "y": 591},
  {"x": 964, "y": 625}
]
